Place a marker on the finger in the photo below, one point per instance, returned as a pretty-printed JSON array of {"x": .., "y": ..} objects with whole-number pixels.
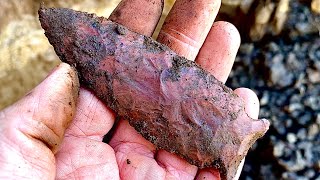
[
  {"x": 251, "y": 100},
  {"x": 83, "y": 138},
  {"x": 135, "y": 155},
  {"x": 219, "y": 50},
  {"x": 46, "y": 111},
  {"x": 251, "y": 103},
  {"x": 85, "y": 158},
  {"x": 33, "y": 128},
  {"x": 208, "y": 173},
  {"x": 187, "y": 26},
  {"x": 252, "y": 107},
  {"x": 176, "y": 167},
  {"x": 141, "y": 16},
  {"x": 137, "y": 158},
  {"x": 92, "y": 120}
]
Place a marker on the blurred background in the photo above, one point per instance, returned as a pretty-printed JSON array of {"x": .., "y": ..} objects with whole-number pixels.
[{"x": 279, "y": 59}]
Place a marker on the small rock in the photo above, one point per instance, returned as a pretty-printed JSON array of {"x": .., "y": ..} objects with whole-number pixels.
[
  {"x": 301, "y": 80},
  {"x": 313, "y": 102},
  {"x": 294, "y": 63},
  {"x": 273, "y": 47},
  {"x": 291, "y": 138},
  {"x": 315, "y": 6},
  {"x": 318, "y": 119},
  {"x": 293, "y": 176},
  {"x": 309, "y": 173},
  {"x": 280, "y": 75},
  {"x": 295, "y": 107},
  {"x": 296, "y": 115},
  {"x": 288, "y": 175},
  {"x": 313, "y": 75},
  {"x": 295, "y": 98},
  {"x": 313, "y": 130},
  {"x": 246, "y": 48},
  {"x": 279, "y": 126},
  {"x": 278, "y": 59},
  {"x": 302, "y": 134},
  {"x": 278, "y": 149},
  {"x": 265, "y": 99},
  {"x": 305, "y": 118},
  {"x": 295, "y": 163},
  {"x": 305, "y": 28},
  {"x": 314, "y": 51},
  {"x": 306, "y": 147}
]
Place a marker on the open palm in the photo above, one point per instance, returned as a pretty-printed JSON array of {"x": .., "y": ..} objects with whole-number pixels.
[{"x": 48, "y": 135}]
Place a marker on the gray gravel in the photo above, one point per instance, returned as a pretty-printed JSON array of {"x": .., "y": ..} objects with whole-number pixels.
[{"x": 285, "y": 73}]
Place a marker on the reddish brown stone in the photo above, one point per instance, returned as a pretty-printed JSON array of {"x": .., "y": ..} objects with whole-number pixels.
[{"x": 168, "y": 99}]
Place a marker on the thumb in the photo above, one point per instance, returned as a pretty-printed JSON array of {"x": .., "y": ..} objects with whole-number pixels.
[{"x": 32, "y": 129}]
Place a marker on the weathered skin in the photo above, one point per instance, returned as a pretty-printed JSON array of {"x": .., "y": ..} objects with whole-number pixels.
[{"x": 168, "y": 99}]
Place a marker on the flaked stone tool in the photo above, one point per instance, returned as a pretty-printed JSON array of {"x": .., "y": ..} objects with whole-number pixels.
[{"x": 169, "y": 100}]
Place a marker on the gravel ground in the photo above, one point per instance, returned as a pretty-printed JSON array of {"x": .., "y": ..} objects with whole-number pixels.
[{"x": 285, "y": 73}]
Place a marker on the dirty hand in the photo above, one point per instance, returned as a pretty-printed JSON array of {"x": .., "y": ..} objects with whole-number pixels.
[{"x": 55, "y": 131}]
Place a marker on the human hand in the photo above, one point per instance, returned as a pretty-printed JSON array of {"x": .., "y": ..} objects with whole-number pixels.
[{"x": 34, "y": 128}]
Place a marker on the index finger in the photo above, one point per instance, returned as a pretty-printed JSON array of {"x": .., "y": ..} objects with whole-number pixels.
[
  {"x": 141, "y": 16},
  {"x": 187, "y": 26}
]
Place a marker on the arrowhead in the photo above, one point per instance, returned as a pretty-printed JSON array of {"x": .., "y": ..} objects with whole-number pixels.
[{"x": 168, "y": 99}]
